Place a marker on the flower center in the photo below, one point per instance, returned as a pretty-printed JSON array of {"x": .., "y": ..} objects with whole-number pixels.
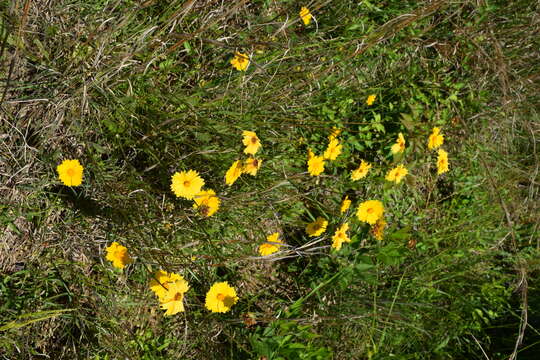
[
  {"x": 221, "y": 297},
  {"x": 71, "y": 172},
  {"x": 187, "y": 183},
  {"x": 254, "y": 140},
  {"x": 255, "y": 163},
  {"x": 177, "y": 296},
  {"x": 370, "y": 210}
]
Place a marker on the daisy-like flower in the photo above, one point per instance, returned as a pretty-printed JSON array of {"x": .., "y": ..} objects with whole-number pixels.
[
  {"x": 435, "y": 139},
  {"x": 361, "y": 172},
  {"x": 271, "y": 246},
  {"x": 371, "y": 99},
  {"x": 233, "y": 173},
  {"x": 251, "y": 166},
  {"x": 240, "y": 61},
  {"x": 317, "y": 227},
  {"x": 186, "y": 184},
  {"x": 377, "y": 230},
  {"x": 345, "y": 204},
  {"x": 162, "y": 281},
  {"x": 173, "y": 298},
  {"x": 370, "y": 211},
  {"x": 70, "y": 172},
  {"x": 316, "y": 165},
  {"x": 334, "y": 133},
  {"x": 397, "y": 174},
  {"x": 399, "y": 146},
  {"x": 206, "y": 202},
  {"x": 442, "y": 162},
  {"x": 251, "y": 141},
  {"x": 305, "y": 15},
  {"x": 333, "y": 150},
  {"x": 221, "y": 297},
  {"x": 340, "y": 236},
  {"x": 118, "y": 254}
]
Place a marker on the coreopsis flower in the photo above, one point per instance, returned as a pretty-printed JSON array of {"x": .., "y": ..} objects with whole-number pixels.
[
  {"x": 316, "y": 165},
  {"x": 361, "y": 172},
  {"x": 305, "y": 15},
  {"x": 118, "y": 254},
  {"x": 251, "y": 141},
  {"x": 345, "y": 204},
  {"x": 334, "y": 133},
  {"x": 340, "y": 236},
  {"x": 251, "y": 166},
  {"x": 371, "y": 99},
  {"x": 233, "y": 173},
  {"x": 70, "y": 172},
  {"x": 333, "y": 150},
  {"x": 173, "y": 298},
  {"x": 162, "y": 281},
  {"x": 310, "y": 154},
  {"x": 317, "y": 227},
  {"x": 377, "y": 230},
  {"x": 240, "y": 61},
  {"x": 271, "y": 246},
  {"x": 399, "y": 146},
  {"x": 435, "y": 139},
  {"x": 370, "y": 211},
  {"x": 206, "y": 202},
  {"x": 186, "y": 184},
  {"x": 221, "y": 297},
  {"x": 442, "y": 162},
  {"x": 397, "y": 174}
]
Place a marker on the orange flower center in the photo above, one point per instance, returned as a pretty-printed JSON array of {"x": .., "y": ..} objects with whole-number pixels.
[
  {"x": 221, "y": 297},
  {"x": 254, "y": 140},
  {"x": 177, "y": 296},
  {"x": 187, "y": 183},
  {"x": 71, "y": 172},
  {"x": 370, "y": 210},
  {"x": 255, "y": 163}
]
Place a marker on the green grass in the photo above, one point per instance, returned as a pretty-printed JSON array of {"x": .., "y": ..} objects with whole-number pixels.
[{"x": 139, "y": 90}]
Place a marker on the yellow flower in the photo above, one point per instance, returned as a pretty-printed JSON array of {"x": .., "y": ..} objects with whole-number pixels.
[
  {"x": 186, "y": 184},
  {"x": 173, "y": 298},
  {"x": 333, "y": 150},
  {"x": 316, "y": 165},
  {"x": 371, "y": 99},
  {"x": 118, "y": 254},
  {"x": 221, "y": 297},
  {"x": 161, "y": 282},
  {"x": 370, "y": 211},
  {"x": 310, "y": 154},
  {"x": 251, "y": 141},
  {"x": 207, "y": 202},
  {"x": 399, "y": 146},
  {"x": 251, "y": 166},
  {"x": 317, "y": 227},
  {"x": 377, "y": 230},
  {"x": 442, "y": 162},
  {"x": 435, "y": 139},
  {"x": 70, "y": 172},
  {"x": 345, "y": 204},
  {"x": 240, "y": 61},
  {"x": 305, "y": 15},
  {"x": 361, "y": 172},
  {"x": 233, "y": 173},
  {"x": 334, "y": 133},
  {"x": 271, "y": 246},
  {"x": 340, "y": 236},
  {"x": 397, "y": 174}
]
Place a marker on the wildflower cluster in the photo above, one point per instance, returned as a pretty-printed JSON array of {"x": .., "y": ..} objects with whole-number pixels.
[{"x": 171, "y": 288}]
